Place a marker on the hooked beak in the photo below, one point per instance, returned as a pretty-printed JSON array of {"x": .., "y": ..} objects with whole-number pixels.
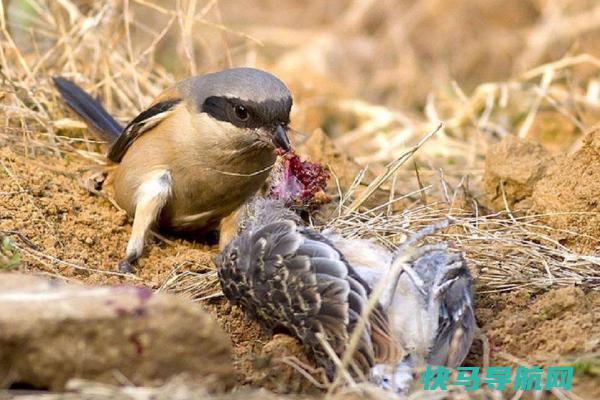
[{"x": 280, "y": 138}]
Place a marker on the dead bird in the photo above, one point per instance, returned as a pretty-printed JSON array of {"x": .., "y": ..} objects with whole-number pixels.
[
  {"x": 286, "y": 275},
  {"x": 198, "y": 152},
  {"x": 428, "y": 301}
]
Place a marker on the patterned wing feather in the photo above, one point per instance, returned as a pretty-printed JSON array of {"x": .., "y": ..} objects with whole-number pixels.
[
  {"x": 145, "y": 121},
  {"x": 285, "y": 275}
]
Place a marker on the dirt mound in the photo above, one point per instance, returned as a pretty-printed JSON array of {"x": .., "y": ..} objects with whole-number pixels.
[
  {"x": 545, "y": 330},
  {"x": 512, "y": 168},
  {"x": 559, "y": 322},
  {"x": 571, "y": 191},
  {"x": 521, "y": 175}
]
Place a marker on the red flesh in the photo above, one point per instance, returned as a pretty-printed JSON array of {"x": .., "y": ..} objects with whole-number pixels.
[{"x": 302, "y": 183}]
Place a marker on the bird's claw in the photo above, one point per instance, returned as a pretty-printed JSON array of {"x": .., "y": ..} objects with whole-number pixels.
[
  {"x": 125, "y": 267},
  {"x": 440, "y": 290},
  {"x": 416, "y": 280}
]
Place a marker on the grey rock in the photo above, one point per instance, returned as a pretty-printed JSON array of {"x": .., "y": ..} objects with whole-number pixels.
[{"x": 51, "y": 332}]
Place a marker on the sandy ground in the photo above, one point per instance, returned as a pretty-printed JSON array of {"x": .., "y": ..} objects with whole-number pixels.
[{"x": 64, "y": 230}]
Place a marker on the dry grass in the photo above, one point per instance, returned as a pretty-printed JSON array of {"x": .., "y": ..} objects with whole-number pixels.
[
  {"x": 506, "y": 253},
  {"x": 377, "y": 76}
]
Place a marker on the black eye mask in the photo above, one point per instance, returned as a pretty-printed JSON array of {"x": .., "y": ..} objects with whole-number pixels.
[{"x": 256, "y": 115}]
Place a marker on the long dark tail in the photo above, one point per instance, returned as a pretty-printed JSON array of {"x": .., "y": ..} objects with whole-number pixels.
[{"x": 90, "y": 110}]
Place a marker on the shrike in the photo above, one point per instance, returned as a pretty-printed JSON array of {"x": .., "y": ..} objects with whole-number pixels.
[{"x": 198, "y": 152}]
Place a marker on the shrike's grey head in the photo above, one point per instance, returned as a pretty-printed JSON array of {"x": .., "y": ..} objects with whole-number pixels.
[{"x": 247, "y": 98}]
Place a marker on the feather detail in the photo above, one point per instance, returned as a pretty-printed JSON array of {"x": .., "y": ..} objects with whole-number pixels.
[
  {"x": 144, "y": 122},
  {"x": 284, "y": 274},
  {"x": 440, "y": 327},
  {"x": 89, "y": 109}
]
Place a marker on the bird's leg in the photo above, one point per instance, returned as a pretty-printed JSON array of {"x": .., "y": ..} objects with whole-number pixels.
[
  {"x": 150, "y": 197},
  {"x": 414, "y": 277},
  {"x": 406, "y": 254},
  {"x": 420, "y": 234},
  {"x": 440, "y": 290},
  {"x": 448, "y": 276},
  {"x": 402, "y": 262}
]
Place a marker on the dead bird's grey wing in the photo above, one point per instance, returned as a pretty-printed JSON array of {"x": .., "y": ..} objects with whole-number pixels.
[
  {"x": 282, "y": 275},
  {"x": 377, "y": 343},
  {"x": 282, "y": 279},
  {"x": 456, "y": 324}
]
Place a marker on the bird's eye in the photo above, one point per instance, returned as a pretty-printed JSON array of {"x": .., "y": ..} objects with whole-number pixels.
[{"x": 241, "y": 113}]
